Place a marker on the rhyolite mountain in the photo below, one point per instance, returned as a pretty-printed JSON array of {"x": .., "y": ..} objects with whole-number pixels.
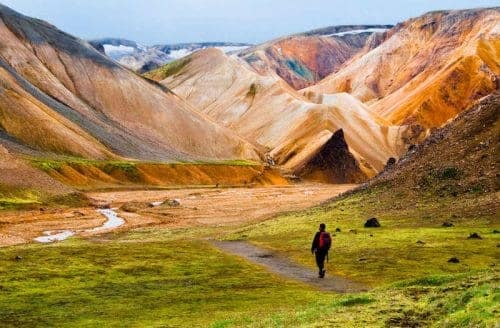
[
  {"x": 382, "y": 98},
  {"x": 291, "y": 131},
  {"x": 304, "y": 59},
  {"x": 59, "y": 95},
  {"x": 384, "y": 89},
  {"x": 426, "y": 70},
  {"x": 142, "y": 58}
]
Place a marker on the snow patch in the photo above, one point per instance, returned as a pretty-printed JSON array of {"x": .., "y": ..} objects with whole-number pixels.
[
  {"x": 368, "y": 30},
  {"x": 117, "y": 51},
  {"x": 180, "y": 53}
]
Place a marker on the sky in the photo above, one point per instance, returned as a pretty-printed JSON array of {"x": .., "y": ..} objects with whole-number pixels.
[{"x": 251, "y": 21}]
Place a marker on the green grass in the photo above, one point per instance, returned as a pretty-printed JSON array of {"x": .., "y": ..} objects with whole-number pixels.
[
  {"x": 381, "y": 256},
  {"x": 9, "y": 203},
  {"x": 169, "y": 69},
  {"x": 12, "y": 199},
  {"x": 181, "y": 282},
  {"x": 79, "y": 283},
  {"x": 108, "y": 166},
  {"x": 174, "y": 278}
]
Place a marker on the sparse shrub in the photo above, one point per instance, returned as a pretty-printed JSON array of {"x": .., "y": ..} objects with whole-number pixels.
[
  {"x": 448, "y": 173},
  {"x": 130, "y": 169},
  {"x": 356, "y": 300},
  {"x": 252, "y": 91}
]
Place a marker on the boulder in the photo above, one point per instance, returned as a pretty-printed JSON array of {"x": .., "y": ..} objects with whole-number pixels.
[
  {"x": 133, "y": 207},
  {"x": 172, "y": 202},
  {"x": 390, "y": 162},
  {"x": 372, "y": 223},
  {"x": 474, "y": 235}
]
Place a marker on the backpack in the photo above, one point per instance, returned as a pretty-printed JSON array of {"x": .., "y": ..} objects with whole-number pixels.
[{"x": 325, "y": 241}]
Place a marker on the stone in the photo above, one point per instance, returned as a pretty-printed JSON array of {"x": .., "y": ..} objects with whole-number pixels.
[
  {"x": 172, "y": 202},
  {"x": 474, "y": 235},
  {"x": 372, "y": 223},
  {"x": 453, "y": 260},
  {"x": 447, "y": 224}
]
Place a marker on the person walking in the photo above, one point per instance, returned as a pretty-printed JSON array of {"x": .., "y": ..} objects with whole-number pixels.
[{"x": 320, "y": 246}]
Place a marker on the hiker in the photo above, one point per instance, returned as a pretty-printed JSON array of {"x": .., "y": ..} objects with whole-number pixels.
[{"x": 320, "y": 247}]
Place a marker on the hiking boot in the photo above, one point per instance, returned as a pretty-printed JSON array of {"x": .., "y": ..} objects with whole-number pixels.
[{"x": 322, "y": 273}]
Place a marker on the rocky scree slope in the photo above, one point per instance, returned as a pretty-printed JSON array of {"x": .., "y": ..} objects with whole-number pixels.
[{"x": 458, "y": 161}]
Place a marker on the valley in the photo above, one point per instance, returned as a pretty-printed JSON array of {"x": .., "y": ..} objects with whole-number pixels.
[
  {"x": 180, "y": 184},
  {"x": 192, "y": 208}
]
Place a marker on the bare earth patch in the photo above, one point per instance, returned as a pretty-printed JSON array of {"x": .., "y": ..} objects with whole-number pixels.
[{"x": 198, "y": 207}]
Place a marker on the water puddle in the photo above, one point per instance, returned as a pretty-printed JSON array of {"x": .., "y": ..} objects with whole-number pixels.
[
  {"x": 113, "y": 221},
  {"x": 52, "y": 236}
]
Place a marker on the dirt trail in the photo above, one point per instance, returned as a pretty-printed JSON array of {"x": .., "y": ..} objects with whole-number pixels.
[{"x": 288, "y": 269}]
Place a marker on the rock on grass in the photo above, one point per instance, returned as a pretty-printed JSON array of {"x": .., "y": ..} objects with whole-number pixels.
[
  {"x": 474, "y": 235},
  {"x": 372, "y": 223}
]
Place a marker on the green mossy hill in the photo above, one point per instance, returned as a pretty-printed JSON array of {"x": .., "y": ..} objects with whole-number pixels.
[{"x": 167, "y": 70}]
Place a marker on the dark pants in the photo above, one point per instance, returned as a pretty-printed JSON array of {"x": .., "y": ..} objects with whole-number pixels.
[{"x": 320, "y": 259}]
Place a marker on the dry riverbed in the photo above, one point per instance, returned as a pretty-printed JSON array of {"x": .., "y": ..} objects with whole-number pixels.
[{"x": 138, "y": 208}]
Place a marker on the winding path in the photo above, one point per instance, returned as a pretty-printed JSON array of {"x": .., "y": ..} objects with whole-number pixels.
[{"x": 284, "y": 267}]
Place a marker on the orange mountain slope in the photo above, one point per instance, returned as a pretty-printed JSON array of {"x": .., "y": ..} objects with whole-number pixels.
[
  {"x": 59, "y": 95},
  {"x": 277, "y": 120},
  {"x": 427, "y": 70},
  {"x": 304, "y": 59}
]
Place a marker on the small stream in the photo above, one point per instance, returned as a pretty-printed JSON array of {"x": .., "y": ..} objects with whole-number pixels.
[{"x": 113, "y": 221}]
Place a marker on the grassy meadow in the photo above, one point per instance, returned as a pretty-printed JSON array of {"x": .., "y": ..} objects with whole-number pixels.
[{"x": 175, "y": 278}]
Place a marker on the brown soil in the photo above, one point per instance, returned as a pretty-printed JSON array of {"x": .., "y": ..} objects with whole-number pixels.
[{"x": 198, "y": 207}]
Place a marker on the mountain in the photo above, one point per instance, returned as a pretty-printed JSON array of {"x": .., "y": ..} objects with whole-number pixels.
[
  {"x": 304, "y": 59},
  {"x": 58, "y": 95},
  {"x": 458, "y": 161},
  {"x": 341, "y": 141},
  {"x": 426, "y": 70},
  {"x": 141, "y": 58},
  {"x": 130, "y": 54}
]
